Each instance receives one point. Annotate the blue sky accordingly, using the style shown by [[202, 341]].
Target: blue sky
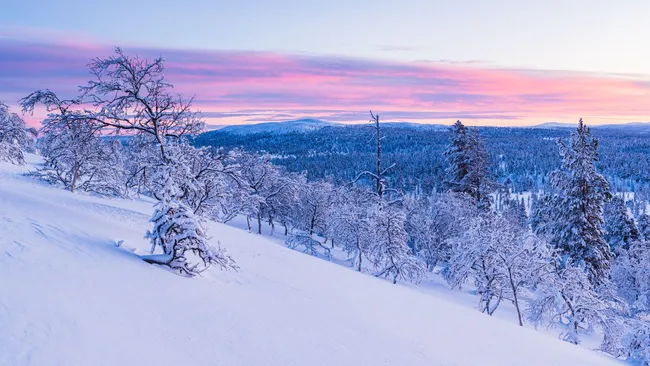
[[596, 35]]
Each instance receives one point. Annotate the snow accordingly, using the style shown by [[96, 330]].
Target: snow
[[70, 296]]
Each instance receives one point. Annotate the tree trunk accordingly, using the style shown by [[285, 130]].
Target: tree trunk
[[359, 255], [74, 178], [312, 223], [380, 190], [515, 299], [248, 222], [259, 223]]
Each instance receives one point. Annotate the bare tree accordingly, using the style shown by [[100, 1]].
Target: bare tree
[[379, 176], [128, 95]]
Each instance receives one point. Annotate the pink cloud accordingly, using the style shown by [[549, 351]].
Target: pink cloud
[[270, 85]]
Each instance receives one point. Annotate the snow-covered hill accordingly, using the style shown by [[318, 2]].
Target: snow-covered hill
[[307, 125], [301, 125], [69, 296], [627, 126]]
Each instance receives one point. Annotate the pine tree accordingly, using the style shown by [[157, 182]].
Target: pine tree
[[467, 170], [572, 219]]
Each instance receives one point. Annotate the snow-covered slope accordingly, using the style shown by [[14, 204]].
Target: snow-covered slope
[[69, 296]]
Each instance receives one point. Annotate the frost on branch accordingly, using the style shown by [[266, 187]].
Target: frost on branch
[[179, 234], [564, 294], [390, 254], [13, 136]]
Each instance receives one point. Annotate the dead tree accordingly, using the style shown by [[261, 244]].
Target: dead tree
[[379, 176]]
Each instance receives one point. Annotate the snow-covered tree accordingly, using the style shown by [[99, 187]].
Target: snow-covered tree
[[129, 95], [644, 226], [13, 136], [432, 223], [286, 199], [636, 343], [309, 217], [379, 175], [349, 224], [314, 199], [500, 258], [620, 229], [141, 159], [631, 274], [390, 253], [515, 211], [180, 235], [266, 183], [77, 158], [467, 166], [565, 294], [572, 219]]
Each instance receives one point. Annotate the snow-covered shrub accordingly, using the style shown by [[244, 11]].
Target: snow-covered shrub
[[13, 136], [181, 237], [309, 244], [636, 342], [565, 295], [500, 258]]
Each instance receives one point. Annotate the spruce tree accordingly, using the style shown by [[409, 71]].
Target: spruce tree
[[573, 217], [644, 226], [620, 229], [467, 170]]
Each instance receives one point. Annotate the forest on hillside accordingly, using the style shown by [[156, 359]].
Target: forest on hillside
[[520, 157]]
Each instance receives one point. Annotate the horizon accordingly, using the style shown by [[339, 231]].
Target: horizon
[[547, 124], [588, 64]]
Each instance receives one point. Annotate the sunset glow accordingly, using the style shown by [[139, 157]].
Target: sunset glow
[[234, 87]]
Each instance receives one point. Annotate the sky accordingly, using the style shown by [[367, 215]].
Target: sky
[[495, 62]]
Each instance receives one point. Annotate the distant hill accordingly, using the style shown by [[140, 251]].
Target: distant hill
[[555, 125], [419, 126], [636, 126], [309, 125], [300, 125]]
